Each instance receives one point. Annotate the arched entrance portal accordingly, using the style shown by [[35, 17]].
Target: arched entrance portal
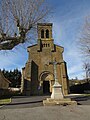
[[46, 81], [46, 87]]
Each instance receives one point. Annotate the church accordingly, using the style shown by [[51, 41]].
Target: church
[[38, 73]]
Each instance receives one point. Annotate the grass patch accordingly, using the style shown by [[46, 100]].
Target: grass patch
[[5, 101], [86, 94]]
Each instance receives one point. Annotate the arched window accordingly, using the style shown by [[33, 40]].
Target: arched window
[[43, 45], [42, 33], [48, 45], [47, 33]]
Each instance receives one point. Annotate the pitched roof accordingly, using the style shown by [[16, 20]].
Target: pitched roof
[[44, 24], [32, 45], [3, 77]]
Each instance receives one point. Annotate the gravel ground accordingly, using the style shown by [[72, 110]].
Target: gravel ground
[[78, 112]]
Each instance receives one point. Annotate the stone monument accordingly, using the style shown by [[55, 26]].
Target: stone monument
[[57, 97], [56, 89]]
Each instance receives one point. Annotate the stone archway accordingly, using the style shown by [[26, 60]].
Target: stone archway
[[46, 81], [46, 87]]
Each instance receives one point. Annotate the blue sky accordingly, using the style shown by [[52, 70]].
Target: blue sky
[[67, 18]]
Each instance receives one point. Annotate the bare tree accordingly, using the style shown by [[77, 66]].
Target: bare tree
[[87, 70], [84, 46], [84, 41], [17, 19]]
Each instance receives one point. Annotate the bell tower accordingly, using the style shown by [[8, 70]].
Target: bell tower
[[44, 31], [45, 40]]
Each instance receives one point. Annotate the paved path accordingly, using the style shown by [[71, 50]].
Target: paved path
[[25, 102], [47, 113], [81, 99], [36, 101], [31, 108]]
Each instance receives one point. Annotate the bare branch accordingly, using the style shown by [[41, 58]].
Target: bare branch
[[84, 41], [17, 18], [86, 67]]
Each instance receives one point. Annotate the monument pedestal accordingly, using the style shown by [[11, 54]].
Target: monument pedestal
[[57, 91], [64, 102], [57, 97]]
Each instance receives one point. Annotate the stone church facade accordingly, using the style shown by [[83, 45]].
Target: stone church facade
[[38, 73]]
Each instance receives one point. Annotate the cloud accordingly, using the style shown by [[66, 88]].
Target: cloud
[[75, 69], [13, 59], [66, 34], [74, 64], [67, 19]]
